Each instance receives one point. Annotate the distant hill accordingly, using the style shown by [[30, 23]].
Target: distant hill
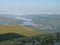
[[7, 21]]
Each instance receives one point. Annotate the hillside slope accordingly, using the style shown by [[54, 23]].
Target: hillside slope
[[17, 29]]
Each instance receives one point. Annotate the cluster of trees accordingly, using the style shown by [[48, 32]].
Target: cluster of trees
[[50, 39]]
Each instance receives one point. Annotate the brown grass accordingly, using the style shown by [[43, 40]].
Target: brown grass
[[18, 29]]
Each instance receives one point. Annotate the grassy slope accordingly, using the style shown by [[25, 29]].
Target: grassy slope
[[18, 29]]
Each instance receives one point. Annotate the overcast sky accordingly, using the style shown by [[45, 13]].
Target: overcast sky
[[29, 6]]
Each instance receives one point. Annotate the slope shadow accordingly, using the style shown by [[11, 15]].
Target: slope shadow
[[10, 36]]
